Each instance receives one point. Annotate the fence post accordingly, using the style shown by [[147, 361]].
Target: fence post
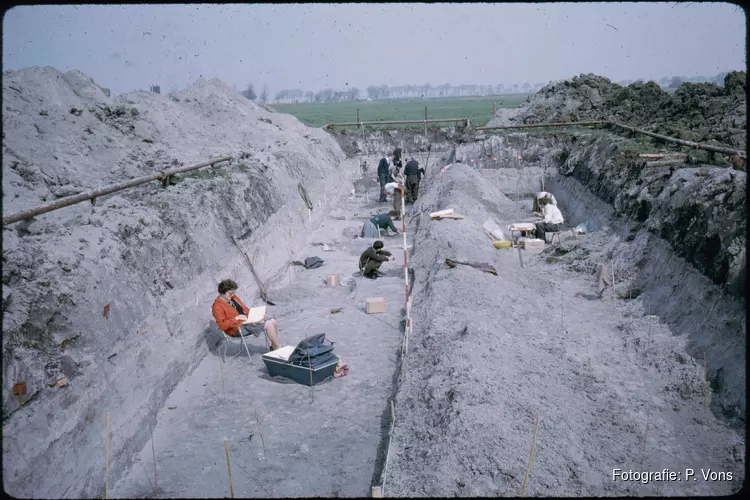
[[425, 121], [359, 123], [494, 108]]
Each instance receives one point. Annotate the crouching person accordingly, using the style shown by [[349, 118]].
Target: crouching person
[[379, 221], [230, 313], [372, 258]]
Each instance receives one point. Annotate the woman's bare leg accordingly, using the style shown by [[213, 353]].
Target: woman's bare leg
[[272, 330]]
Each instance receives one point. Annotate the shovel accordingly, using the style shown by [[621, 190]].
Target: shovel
[[263, 293]]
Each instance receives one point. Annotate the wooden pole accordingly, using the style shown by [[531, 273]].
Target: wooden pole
[[531, 457], [406, 251], [664, 163], [425, 122], [72, 200], [494, 108], [229, 468], [106, 477], [153, 455], [541, 125], [262, 441], [705, 383], [359, 122], [706, 147]]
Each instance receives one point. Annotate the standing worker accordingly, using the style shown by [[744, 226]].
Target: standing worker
[[397, 164], [413, 173], [397, 190], [383, 173], [372, 258]]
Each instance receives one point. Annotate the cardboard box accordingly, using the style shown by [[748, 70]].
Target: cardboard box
[[333, 279], [375, 305], [562, 235], [531, 243]]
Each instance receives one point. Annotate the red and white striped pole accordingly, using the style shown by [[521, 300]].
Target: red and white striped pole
[[406, 270]]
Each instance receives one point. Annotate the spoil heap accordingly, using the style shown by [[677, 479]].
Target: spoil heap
[[701, 112], [104, 295]]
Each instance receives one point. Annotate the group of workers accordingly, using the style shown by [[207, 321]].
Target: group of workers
[[394, 183], [231, 313]]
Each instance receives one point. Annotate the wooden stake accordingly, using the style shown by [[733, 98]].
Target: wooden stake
[[223, 390], [614, 295], [309, 363], [262, 441], [229, 468], [106, 477], [520, 257], [645, 435], [705, 383], [562, 309], [153, 454], [531, 457]]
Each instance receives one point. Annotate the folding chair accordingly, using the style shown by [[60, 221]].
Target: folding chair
[[228, 339]]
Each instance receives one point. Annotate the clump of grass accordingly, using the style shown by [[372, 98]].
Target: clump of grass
[[243, 167]]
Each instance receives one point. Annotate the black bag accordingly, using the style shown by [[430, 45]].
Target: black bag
[[312, 351], [313, 262]]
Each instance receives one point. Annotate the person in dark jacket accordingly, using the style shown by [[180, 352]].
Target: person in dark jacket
[[372, 258], [383, 168], [397, 163], [385, 221], [413, 173]]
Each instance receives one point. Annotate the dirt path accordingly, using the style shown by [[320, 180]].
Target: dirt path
[[319, 442]]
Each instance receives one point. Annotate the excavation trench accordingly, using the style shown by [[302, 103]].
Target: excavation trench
[[649, 376], [324, 441]]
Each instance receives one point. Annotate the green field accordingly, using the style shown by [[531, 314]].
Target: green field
[[478, 109]]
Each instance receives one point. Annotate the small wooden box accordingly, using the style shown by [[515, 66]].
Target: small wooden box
[[375, 305], [333, 279], [532, 243]]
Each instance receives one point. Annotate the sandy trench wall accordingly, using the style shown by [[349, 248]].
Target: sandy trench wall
[[700, 211], [688, 229], [153, 254]]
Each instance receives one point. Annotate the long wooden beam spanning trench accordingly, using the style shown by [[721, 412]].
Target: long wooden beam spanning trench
[[93, 194]]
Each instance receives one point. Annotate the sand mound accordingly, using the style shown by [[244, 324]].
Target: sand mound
[[702, 112], [150, 254]]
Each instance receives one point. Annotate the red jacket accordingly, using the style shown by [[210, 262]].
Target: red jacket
[[224, 314]]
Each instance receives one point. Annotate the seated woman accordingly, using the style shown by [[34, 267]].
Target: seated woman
[[230, 313]]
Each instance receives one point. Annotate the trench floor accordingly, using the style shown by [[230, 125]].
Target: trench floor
[[286, 439]]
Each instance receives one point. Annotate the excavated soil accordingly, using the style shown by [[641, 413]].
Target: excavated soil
[[115, 298], [701, 112], [611, 385]]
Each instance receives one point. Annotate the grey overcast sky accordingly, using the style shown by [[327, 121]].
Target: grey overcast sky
[[314, 46]]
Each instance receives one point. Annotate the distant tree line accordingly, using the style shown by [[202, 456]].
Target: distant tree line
[[386, 92]]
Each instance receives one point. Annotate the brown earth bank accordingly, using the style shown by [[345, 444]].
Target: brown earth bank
[[701, 112]]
